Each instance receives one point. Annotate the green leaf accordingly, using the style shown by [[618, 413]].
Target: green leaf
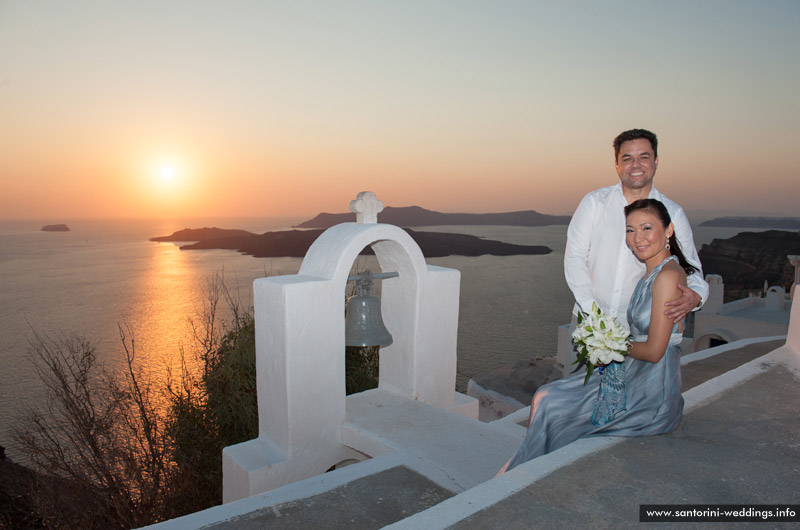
[[589, 370]]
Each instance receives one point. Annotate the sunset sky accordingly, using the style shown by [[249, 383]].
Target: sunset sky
[[257, 108]]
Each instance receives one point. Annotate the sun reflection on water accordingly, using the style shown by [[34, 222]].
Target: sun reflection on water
[[167, 298]]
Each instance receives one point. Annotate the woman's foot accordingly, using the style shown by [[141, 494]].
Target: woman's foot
[[503, 469]]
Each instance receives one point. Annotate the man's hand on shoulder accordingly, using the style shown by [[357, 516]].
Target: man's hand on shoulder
[[678, 308]]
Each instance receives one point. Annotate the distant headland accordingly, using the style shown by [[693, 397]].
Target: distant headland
[[295, 243], [416, 216], [203, 234], [748, 259], [781, 223], [55, 228]]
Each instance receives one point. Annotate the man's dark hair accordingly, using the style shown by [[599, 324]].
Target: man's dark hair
[[635, 134]]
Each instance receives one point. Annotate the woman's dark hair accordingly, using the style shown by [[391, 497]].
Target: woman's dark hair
[[657, 208]]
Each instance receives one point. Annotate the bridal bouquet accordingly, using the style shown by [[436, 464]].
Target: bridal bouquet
[[599, 340]]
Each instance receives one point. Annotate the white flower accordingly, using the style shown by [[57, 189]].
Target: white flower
[[599, 339], [580, 334]]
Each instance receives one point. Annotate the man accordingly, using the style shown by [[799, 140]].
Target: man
[[598, 265]]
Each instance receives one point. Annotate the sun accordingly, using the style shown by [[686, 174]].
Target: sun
[[168, 183], [167, 173]]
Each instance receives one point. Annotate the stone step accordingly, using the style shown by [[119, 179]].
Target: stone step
[[366, 503], [708, 366], [453, 450]]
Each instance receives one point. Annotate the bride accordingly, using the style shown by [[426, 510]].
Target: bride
[[651, 401]]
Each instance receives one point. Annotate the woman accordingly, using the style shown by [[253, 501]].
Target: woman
[[562, 411]]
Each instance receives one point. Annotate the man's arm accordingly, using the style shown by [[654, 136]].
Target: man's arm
[[576, 255], [695, 295]]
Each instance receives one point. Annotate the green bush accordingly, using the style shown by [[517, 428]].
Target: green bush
[[211, 412], [361, 368]]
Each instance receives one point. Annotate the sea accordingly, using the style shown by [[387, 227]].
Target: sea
[[104, 279]]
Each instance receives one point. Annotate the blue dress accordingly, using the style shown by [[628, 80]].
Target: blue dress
[[653, 402]]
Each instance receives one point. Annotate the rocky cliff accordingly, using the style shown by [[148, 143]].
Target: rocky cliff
[[748, 259]]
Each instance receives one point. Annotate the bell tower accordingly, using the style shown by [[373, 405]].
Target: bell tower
[[300, 343]]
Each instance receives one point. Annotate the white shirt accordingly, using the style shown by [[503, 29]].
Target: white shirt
[[598, 264]]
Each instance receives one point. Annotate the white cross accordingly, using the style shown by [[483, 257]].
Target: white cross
[[366, 206]]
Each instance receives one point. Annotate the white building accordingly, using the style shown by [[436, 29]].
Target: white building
[[718, 323]]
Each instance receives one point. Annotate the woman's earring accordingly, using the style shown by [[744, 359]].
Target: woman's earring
[[667, 246]]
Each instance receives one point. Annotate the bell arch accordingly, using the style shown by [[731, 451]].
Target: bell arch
[[300, 344], [330, 258]]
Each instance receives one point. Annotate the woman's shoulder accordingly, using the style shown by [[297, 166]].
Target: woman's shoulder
[[671, 274]]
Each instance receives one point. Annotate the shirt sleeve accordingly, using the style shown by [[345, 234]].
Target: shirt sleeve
[[683, 232], [576, 255]]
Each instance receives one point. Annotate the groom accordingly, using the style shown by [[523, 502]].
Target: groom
[[597, 263]]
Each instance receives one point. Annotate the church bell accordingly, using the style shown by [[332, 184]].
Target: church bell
[[364, 324]]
